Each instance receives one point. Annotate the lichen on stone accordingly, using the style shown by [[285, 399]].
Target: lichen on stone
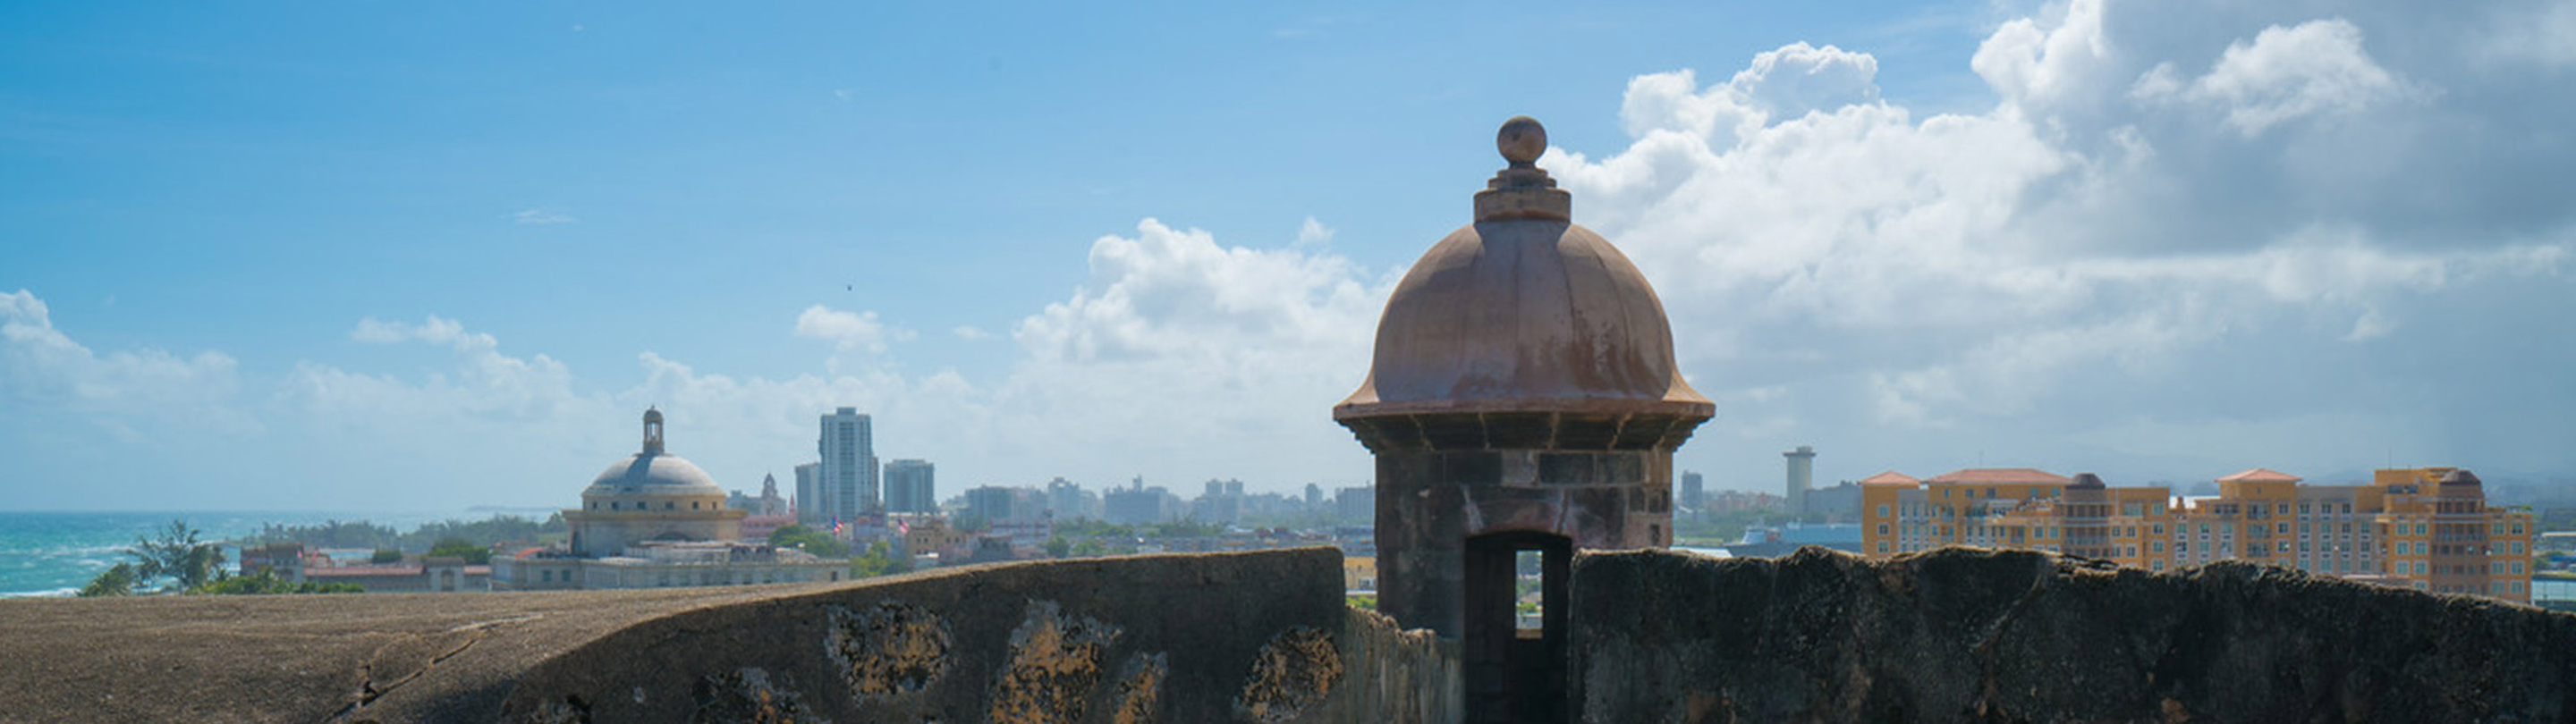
[[1140, 691], [569, 710], [1293, 673], [887, 649], [1055, 662], [748, 696]]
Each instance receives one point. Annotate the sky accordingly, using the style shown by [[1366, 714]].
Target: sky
[[333, 256]]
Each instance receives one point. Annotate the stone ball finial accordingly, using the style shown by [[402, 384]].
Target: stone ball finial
[[1522, 140]]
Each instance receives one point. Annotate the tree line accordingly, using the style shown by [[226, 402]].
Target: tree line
[[178, 560]]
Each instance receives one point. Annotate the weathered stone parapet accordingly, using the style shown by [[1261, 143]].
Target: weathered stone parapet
[[1254, 637], [1963, 635], [1240, 637]]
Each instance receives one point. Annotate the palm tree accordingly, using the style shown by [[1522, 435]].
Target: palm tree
[[177, 555]]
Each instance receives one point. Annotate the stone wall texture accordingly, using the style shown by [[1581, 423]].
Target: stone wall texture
[[1261, 638], [1964, 635], [1249, 637], [1956, 635]]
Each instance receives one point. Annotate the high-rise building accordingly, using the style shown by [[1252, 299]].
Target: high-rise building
[[849, 466], [1069, 502], [910, 487], [1693, 495], [1314, 497], [809, 495], [1802, 477], [995, 504], [2423, 528], [1221, 503], [1356, 505], [1140, 505]]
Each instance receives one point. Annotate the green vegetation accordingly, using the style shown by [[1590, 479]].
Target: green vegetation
[[453, 546], [362, 534], [264, 581], [191, 566], [880, 560], [1058, 547], [1093, 529], [117, 581], [1364, 602], [796, 535], [177, 555], [386, 555]]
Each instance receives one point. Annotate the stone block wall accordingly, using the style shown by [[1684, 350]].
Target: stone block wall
[[1965, 635], [1262, 638]]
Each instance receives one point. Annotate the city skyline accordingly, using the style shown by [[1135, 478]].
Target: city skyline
[[439, 257]]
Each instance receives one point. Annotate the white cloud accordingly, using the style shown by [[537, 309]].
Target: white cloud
[[2314, 68], [2112, 228], [47, 379], [2178, 226], [541, 217], [1314, 234], [848, 330]]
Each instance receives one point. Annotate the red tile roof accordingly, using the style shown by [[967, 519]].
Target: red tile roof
[[2000, 476], [2261, 475], [1890, 478]]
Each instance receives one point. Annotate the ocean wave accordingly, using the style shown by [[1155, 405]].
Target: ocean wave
[[56, 593]]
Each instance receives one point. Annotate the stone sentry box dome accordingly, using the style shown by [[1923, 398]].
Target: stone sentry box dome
[[1523, 399]]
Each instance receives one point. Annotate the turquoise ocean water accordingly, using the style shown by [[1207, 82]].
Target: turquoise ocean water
[[54, 553]]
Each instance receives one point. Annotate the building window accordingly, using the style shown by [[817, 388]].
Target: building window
[[1882, 546], [1882, 529]]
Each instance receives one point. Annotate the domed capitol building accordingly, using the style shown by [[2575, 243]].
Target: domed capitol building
[[657, 520]]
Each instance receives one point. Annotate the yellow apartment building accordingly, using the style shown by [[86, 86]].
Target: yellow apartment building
[[2423, 528]]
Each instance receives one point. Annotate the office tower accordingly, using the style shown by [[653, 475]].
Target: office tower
[[809, 495], [909, 487]]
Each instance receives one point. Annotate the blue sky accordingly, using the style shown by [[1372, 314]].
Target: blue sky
[[368, 257]]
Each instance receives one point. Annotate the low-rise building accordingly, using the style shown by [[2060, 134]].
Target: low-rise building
[[2423, 528]]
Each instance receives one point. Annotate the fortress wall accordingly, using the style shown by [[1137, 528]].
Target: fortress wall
[[1963, 635], [1253, 637]]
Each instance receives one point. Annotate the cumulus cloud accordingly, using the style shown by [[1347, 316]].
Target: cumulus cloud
[[2180, 237], [2315, 68], [2155, 189], [848, 330], [47, 379], [481, 383], [1181, 349]]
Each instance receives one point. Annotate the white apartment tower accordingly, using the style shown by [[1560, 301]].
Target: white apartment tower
[[847, 475]]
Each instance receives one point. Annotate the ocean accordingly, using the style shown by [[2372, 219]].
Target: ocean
[[55, 553]]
